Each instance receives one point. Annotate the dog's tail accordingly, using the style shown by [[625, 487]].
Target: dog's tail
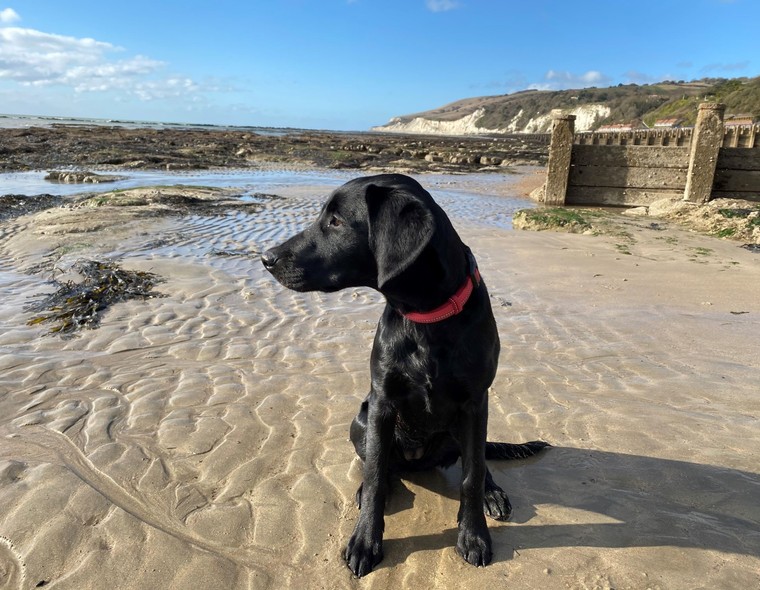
[[505, 451]]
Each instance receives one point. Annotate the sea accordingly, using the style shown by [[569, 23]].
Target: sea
[[23, 121]]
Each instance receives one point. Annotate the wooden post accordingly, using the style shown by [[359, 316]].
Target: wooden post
[[735, 138], [703, 156], [560, 150]]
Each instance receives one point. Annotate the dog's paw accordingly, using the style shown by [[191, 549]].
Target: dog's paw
[[363, 553], [474, 547], [496, 503], [359, 496]]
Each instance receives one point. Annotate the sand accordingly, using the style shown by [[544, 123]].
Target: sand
[[200, 440]]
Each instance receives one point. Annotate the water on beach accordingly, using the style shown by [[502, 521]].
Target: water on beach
[[482, 199]]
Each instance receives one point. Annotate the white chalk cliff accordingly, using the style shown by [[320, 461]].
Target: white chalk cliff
[[586, 116]]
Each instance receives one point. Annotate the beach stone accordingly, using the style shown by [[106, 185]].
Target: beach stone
[[79, 177], [663, 206]]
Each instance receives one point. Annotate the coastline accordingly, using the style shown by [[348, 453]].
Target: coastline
[[200, 438], [102, 147]]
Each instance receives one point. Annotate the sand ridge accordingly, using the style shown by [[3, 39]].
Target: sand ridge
[[201, 439]]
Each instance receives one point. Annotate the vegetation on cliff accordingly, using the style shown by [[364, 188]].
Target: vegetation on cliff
[[629, 103]]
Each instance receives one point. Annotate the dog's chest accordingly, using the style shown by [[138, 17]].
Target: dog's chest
[[416, 382], [407, 368]]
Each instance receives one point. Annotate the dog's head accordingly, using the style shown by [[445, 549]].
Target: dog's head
[[369, 233]]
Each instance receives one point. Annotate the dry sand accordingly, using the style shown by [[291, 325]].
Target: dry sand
[[200, 440]]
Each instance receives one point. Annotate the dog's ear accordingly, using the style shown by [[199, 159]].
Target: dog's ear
[[400, 227]]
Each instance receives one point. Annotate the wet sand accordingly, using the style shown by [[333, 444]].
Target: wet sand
[[200, 440]]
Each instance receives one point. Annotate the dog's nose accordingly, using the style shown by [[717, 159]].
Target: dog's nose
[[269, 258]]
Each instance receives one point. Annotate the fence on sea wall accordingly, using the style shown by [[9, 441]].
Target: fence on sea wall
[[733, 136], [638, 167]]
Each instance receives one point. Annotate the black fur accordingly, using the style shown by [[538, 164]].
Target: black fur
[[427, 405]]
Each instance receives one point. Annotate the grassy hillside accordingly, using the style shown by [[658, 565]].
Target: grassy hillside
[[628, 103], [740, 95]]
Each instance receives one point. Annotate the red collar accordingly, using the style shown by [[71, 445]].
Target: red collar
[[453, 306]]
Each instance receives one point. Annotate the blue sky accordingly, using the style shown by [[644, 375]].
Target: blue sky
[[348, 64]]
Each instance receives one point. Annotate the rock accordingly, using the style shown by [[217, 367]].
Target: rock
[[663, 206], [81, 177], [537, 194], [146, 148]]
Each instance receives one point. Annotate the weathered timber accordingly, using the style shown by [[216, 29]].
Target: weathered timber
[[634, 175], [741, 136], [738, 159], [680, 136], [618, 196], [705, 144], [737, 180], [631, 155], [620, 176], [560, 151]]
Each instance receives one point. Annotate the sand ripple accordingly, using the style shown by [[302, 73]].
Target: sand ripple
[[200, 439]]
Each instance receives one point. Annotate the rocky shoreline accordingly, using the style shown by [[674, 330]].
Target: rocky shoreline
[[72, 154], [99, 147]]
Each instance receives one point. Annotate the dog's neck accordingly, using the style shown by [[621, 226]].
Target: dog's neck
[[428, 294], [454, 305]]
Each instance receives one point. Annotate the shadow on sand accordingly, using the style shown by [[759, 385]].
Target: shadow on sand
[[628, 501]]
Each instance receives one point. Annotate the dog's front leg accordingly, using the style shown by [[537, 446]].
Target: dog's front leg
[[474, 541], [365, 548]]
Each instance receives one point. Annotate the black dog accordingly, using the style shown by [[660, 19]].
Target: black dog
[[435, 352]]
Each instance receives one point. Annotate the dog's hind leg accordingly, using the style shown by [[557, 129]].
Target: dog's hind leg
[[495, 500]]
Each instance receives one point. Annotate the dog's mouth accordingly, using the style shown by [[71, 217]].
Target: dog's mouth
[[281, 267], [288, 276]]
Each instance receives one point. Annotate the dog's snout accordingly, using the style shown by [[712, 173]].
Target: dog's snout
[[269, 258]]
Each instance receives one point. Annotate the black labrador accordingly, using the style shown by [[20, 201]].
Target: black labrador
[[434, 356]]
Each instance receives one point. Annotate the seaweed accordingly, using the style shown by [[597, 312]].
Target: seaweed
[[555, 217], [735, 213], [12, 206], [78, 305]]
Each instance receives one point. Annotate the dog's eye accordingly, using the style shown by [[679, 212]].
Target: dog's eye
[[335, 221]]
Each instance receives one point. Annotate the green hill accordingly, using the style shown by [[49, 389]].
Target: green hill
[[527, 111]]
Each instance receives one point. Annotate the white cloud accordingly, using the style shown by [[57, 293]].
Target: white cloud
[[590, 77], [168, 88], [8, 15], [34, 58], [726, 67], [561, 80], [442, 5], [636, 77]]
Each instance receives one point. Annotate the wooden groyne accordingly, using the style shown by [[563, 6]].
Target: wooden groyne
[[638, 167], [743, 136]]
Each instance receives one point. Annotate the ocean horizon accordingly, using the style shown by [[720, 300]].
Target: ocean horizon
[[13, 121]]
